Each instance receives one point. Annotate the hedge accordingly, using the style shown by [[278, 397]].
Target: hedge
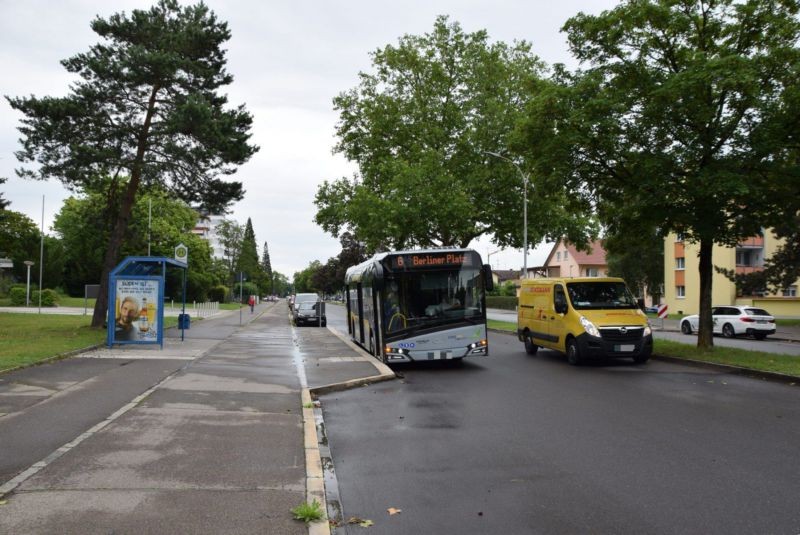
[[502, 302], [49, 298]]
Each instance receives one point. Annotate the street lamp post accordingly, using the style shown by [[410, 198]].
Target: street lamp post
[[524, 210], [28, 263]]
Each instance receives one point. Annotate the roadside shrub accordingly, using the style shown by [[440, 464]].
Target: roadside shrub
[[219, 294], [17, 295], [49, 298], [501, 302]]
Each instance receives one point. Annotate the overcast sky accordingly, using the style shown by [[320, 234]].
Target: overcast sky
[[289, 59]]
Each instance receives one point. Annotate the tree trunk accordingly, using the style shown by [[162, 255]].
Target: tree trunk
[[705, 335], [121, 226]]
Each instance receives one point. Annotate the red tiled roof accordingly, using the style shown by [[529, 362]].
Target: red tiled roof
[[595, 257]]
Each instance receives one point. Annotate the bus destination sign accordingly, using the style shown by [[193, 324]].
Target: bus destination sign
[[431, 260]]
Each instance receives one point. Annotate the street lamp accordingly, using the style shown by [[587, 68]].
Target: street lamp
[[28, 263], [524, 210]]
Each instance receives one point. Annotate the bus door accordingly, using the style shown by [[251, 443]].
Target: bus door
[[349, 315], [360, 299], [376, 323]]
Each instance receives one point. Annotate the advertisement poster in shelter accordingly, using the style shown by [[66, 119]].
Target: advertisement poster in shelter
[[136, 310]]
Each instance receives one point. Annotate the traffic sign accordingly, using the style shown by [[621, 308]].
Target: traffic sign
[[662, 311]]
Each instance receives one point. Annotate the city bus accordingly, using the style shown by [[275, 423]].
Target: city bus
[[406, 306]]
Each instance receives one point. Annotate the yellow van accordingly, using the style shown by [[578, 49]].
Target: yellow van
[[584, 318]]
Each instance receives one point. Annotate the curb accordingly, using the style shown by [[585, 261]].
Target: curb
[[790, 380], [385, 373], [54, 358], [315, 479]]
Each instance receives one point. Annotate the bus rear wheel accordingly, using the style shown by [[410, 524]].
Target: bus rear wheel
[[530, 347]]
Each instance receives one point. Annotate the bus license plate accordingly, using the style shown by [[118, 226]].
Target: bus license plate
[[626, 348]]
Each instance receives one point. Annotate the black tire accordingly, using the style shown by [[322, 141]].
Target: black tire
[[530, 347], [686, 327], [759, 336], [573, 353], [728, 331], [324, 323]]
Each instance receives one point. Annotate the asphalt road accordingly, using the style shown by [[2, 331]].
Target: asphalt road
[[517, 444]]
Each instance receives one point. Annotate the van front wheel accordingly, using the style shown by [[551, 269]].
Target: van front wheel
[[530, 347], [573, 354]]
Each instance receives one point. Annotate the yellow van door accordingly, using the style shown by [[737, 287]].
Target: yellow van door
[[557, 329]]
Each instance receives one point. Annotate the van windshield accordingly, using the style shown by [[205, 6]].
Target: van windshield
[[599, 295]]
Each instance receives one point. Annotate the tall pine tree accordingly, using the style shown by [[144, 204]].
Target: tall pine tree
[[248, 258], [148, 109], [266, 269]]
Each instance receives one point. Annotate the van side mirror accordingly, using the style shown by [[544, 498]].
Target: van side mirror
[[488, 280]]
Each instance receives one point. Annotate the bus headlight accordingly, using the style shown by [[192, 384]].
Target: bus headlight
[[478, 348], [589, 327]]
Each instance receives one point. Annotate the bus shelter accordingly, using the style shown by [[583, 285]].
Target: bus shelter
[[136, 300]]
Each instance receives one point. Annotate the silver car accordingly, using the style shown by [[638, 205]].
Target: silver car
[[732, 321]]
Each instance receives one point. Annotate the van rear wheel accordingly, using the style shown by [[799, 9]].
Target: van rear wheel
[[573, 354], [530, 347]]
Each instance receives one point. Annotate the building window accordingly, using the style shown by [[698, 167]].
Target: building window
[[680, 291], [558, 256], [791, 291], [679, 237], [565, 255], [680, 263], [592, 272]]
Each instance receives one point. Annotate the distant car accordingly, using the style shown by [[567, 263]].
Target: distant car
[[732, 321], [651, 310]]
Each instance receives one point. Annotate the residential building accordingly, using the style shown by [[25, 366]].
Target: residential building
[[682, 278], [565, 260], [206, 228], [501, 276]]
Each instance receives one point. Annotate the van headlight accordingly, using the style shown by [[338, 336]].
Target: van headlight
[[647, 330], [589, 327]]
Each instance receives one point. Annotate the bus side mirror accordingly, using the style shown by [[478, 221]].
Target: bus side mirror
[[488, 280]]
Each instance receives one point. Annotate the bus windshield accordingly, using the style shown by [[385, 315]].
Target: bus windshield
[[599, 295], [430, 298]]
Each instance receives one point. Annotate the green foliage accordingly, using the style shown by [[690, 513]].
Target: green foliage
[[679, 120], [304, 280], [148, 104], [637, 255], [218, 294], [3, 202], [308, 512], [49, 298], [245, 289], [266, 270], [17, 296], [19, 241], [501, 302], [248, 258], [419, 127]]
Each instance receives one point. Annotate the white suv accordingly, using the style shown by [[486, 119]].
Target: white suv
[[732, 321]]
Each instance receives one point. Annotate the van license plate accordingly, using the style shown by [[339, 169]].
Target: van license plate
[[625, 348]]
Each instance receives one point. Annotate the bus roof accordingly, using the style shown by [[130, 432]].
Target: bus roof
[[356, 272]]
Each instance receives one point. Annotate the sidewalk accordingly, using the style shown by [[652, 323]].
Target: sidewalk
[[225, 444]]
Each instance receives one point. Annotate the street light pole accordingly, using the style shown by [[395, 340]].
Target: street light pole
[[28, 263], [524, 210]]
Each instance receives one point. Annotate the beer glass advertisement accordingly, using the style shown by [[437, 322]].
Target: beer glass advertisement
[[136, 311]]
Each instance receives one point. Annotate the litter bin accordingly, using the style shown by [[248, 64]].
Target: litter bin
[[184, 320]]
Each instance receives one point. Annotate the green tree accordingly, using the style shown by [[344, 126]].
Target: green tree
[[248, 258], [678, 121], [19, 241], [231, 236], [84, 224], [419, 128], [266, 269], [147, 105], [3, 202], [304, 280], [637, 257], [280, 284]]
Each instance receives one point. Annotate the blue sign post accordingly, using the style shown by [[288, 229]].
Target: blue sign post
[[136, 300]]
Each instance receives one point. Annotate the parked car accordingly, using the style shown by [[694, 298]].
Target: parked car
[[308, 313], [731, 321], [651, 309]]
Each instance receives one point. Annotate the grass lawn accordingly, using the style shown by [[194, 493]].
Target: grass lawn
[[754, 360], [30, 338]]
